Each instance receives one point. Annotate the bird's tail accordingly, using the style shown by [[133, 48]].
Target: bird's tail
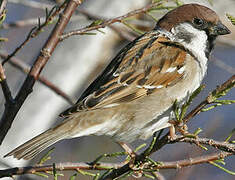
[[36, 145]]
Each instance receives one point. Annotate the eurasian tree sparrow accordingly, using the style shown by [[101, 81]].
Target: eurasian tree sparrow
[[133, 97]]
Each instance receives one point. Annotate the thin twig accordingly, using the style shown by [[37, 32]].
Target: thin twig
[[5, 87], [46, 52], [37, 29], [198, 109], [223, 146], [32, 4], [192, 161], [108, 22], [120, 31]]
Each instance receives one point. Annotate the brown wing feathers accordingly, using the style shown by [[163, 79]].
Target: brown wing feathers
[[147, 67]]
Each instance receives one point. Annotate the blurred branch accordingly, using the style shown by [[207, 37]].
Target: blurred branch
[[37, 29], [222, 65], [4, 85], [109, 22], [25, 68], [12, 108], [32, 4]]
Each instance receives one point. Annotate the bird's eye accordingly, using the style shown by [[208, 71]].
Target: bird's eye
[[198, 22]]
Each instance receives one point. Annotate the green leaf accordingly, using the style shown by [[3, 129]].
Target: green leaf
[[140, 147], [132, 27], [176, 110], [96, 22], [149, 149], [210, 107], [187, 104], [3, 16], [73, 176], [178, 3], [231, 18], [116, 154], [96, 176], [230, 135], [221, 161], [226, 102], [148, 176], [86, 173], [222, 168], [152, 16], [197, 131], [46, 157], [41, 174]]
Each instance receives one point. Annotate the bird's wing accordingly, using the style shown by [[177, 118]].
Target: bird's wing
[[144, 66]]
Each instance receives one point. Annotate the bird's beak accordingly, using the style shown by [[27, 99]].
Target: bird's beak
[[219, 29]]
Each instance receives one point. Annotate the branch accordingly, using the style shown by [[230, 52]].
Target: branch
[[192, 161], [223, 146], [60, 167], [37, 29], [12, 109], [25, 68], [228, 147], [229, 83], [108, 22], [68, 166], [4, 85]]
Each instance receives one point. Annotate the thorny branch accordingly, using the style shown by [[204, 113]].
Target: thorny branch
[[121, 168]]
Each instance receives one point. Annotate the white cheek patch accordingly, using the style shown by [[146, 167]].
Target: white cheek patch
[[197, 45]]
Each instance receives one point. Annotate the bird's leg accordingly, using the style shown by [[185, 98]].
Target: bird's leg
[[180, 127], [172, 129], [132, 155], [183, 129], [127, 149]]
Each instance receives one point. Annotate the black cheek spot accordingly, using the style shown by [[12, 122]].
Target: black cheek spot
[[186, 36]]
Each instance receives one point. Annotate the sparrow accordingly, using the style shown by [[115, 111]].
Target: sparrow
[[134, 96]]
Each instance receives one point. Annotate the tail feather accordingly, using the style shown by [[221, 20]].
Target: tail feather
[[36, 145]]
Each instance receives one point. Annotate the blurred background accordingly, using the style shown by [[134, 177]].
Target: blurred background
[[79, 59]]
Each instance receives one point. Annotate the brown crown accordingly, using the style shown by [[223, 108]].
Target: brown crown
[[186, 13]]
